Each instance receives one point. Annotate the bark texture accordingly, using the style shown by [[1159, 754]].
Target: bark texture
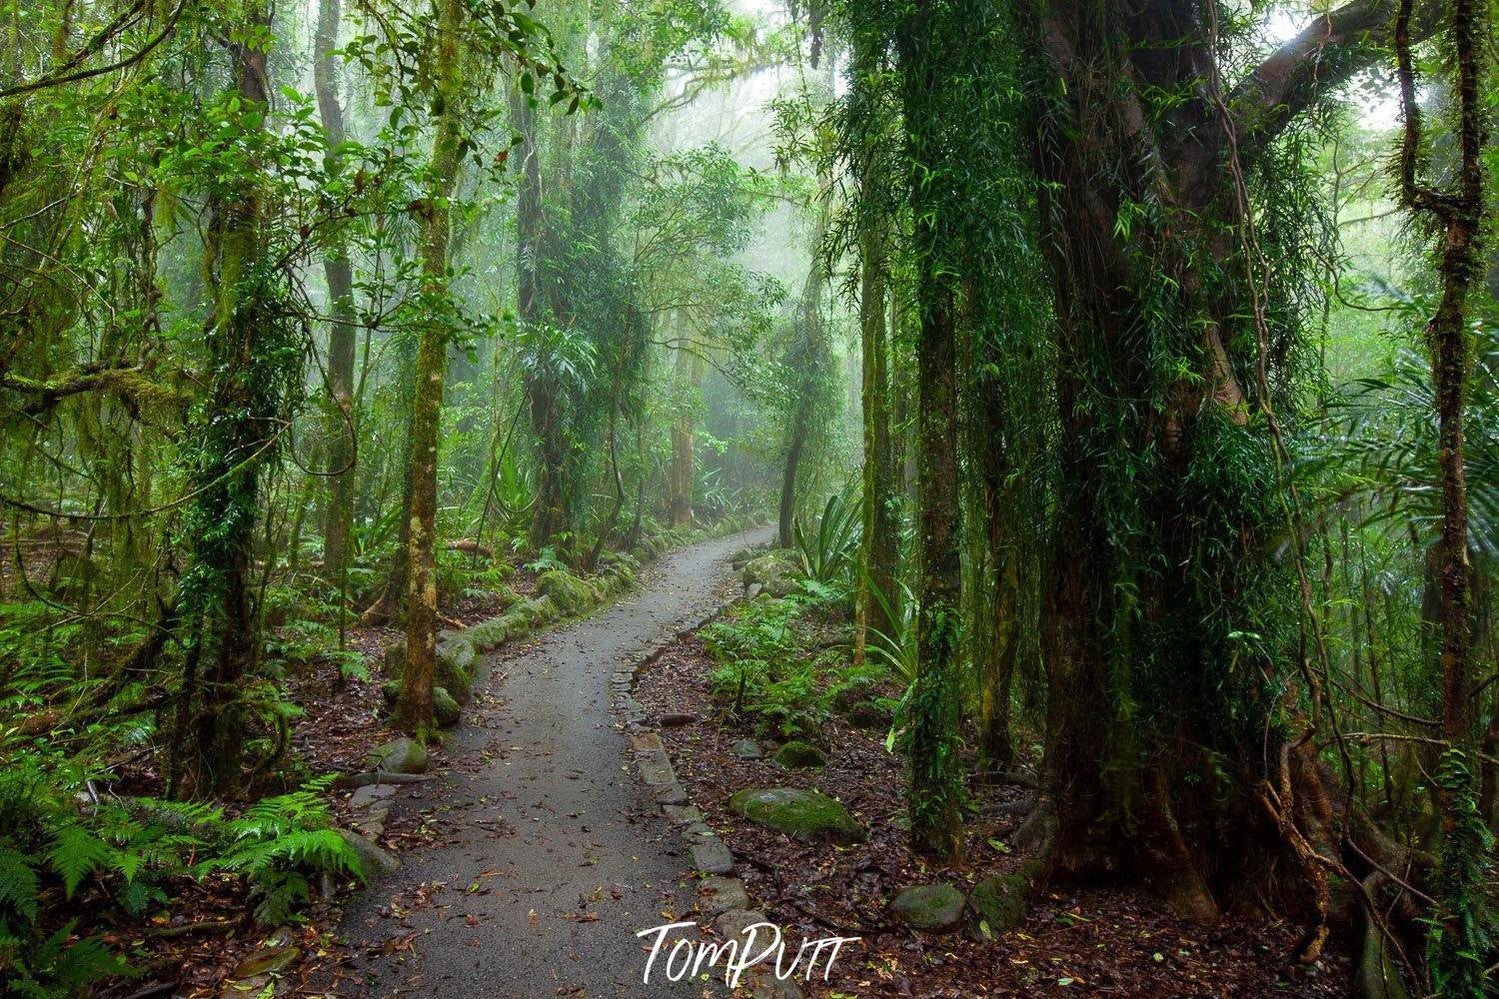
[[414, 709]]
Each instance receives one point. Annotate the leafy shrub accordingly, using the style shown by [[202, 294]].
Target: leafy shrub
[[827, 556], [61, 840], [764, 673]]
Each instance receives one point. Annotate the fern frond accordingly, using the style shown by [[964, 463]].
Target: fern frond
[[18, 884], [76, 852]]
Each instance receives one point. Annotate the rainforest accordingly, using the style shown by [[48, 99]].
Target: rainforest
[[1009, 486]]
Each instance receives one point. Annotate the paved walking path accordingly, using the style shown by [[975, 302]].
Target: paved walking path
[[561, 856]]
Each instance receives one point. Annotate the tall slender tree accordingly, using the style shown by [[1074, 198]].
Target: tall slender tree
[[1457, 216], [930, 56], [414, 711], [342, 432]]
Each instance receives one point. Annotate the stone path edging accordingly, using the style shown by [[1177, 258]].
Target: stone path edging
[[728, 907]]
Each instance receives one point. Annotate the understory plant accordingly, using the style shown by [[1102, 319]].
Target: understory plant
[[69, 844]]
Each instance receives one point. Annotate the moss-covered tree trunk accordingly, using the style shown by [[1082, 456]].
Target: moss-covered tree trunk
[[880, 544], [870, 123], [1458, 939], [934, 749], [1001, 649], [1160, 704], [236, 433], [414, 710], [809, 364], [543, 396]]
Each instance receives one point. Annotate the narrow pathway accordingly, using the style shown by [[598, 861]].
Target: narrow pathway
[[561, 857]]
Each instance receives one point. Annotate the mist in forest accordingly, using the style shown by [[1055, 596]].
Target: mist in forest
[[1009, 486]]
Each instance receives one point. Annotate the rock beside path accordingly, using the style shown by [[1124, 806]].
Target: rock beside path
[[719, 895], [934, 908], [445, 710], [796, 755], [997, 905], [400, 756], [802, 815], [374, 859], [712, 857]]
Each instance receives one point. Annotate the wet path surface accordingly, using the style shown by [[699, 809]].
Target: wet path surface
[[559, 855]]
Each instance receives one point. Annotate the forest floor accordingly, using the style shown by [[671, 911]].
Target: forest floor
[[534, 856], [1099, 939]]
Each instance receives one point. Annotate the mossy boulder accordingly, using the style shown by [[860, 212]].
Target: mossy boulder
[[800, 814], [445, 707], [569, 594], [487, 635], [395, 660], [997, 905], [934, 908], [799, 755], [456, 659], [774, 573], [869, 715], [445, 710], [535, 612], [400, 756]]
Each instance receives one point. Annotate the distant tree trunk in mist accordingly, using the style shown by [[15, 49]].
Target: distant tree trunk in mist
[[806, 402], [542, 395], [339, 512], [689, 378]]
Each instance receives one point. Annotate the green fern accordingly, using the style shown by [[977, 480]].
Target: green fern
[[76, 853], [280, 896], [18, 885], [54, 966]]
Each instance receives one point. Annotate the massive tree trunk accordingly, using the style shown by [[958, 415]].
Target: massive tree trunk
[[339, 511], [414, 710], [1159, 709]]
